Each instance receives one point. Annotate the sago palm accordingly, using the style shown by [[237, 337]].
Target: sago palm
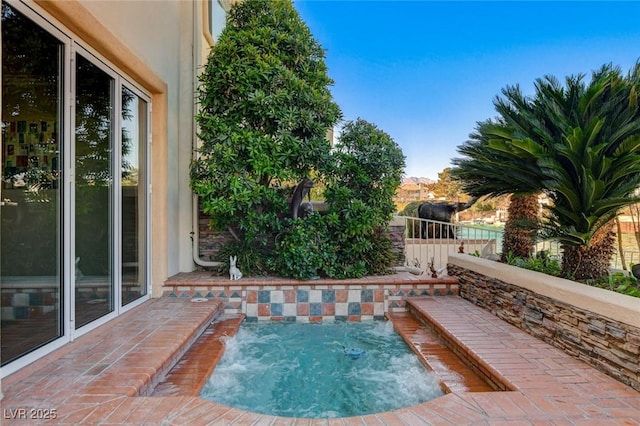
[[485, 171], [580, 144]]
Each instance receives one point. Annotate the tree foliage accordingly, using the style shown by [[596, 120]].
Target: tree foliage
[[363, 178], [368, 165], [579, 142], [265, 109], [350, 240], [447, 186]]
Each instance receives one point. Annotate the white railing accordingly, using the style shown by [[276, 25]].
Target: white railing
[[631, 257], [431, 241], [428, 243]]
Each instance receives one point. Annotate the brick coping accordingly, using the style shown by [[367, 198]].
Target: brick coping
[[190, 374], [207, 278], [126, 356], [552, 387]]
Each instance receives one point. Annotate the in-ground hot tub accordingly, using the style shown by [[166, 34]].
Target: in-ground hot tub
[[325, 370]]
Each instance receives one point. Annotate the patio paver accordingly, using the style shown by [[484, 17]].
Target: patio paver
[[93, 380]]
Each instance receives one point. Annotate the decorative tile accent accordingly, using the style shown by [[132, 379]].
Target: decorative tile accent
[[315, 309], [252, 296], [322, 300], [302, 309], [328, 309], [354, 308], [366, 308], [342, 309], [289, 296], [264, 310], [315, 296], [378, 309], [252, 310], [328, 296], [264, 296], [277, 309], [289, 310], [277, 296], [354, 296], [302, 296]]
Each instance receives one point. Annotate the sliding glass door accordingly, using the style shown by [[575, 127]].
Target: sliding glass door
[[133, 184], [74, 219], [31, 195], [94, 226]]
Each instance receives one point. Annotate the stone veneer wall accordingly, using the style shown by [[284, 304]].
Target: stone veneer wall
[[209, 240], [396, 234], [597, 326], [310, 301]]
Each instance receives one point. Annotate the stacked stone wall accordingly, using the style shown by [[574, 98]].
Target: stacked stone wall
[[210, 241], [396, 233], [609, 345]]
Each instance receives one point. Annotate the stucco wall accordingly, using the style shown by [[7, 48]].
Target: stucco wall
[[597, 326], [160, 46], [165, 35]]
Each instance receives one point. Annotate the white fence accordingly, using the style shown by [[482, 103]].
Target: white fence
[[631, 257], [428, 243]]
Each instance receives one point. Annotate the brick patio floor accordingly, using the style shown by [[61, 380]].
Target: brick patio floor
[[103, 377]]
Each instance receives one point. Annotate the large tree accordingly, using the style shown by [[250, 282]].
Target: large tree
[[579, 142], [265, 109]]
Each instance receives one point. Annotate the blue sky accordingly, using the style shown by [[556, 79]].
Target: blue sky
[[426, 72]]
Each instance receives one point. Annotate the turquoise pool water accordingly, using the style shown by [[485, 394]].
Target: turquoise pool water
[[323, 370]]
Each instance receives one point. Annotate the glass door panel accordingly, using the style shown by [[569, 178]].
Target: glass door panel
[[30, 193], [94, 296], [133, 198]]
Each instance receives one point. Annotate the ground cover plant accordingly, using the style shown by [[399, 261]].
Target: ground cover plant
[[619, 282]]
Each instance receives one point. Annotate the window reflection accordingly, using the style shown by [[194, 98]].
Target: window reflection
[[105, 267], [93, 192], [30, 210], [134, 112]]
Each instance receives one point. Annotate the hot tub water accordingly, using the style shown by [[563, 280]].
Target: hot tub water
[[333, 369]]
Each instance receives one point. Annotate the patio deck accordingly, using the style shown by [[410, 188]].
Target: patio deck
[[102, 377]]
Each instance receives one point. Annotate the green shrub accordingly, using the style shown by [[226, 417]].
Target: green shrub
[[304, 250], [618, 282], [411, 209], [252, 258], [362, 180]]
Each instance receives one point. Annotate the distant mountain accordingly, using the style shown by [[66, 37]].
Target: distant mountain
[[416, 180]]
